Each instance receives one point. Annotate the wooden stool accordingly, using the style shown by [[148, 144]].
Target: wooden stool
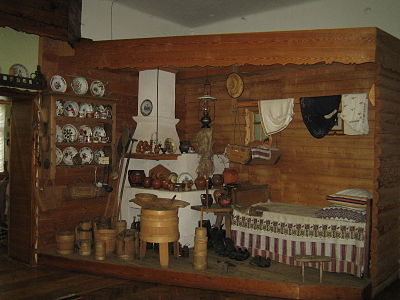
[[163, 252], [311, 258]]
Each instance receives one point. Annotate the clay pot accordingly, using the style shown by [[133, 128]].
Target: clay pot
[[217, 180], [165, 184], [135, 177], [184, 146], [140, 147], [156, 184], [200, 182], [230, 176], [225, 200], [147, 181], [171, 186]]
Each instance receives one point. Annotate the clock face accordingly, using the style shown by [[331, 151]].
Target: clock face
[[146, 107]]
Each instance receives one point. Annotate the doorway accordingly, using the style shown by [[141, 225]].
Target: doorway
[[18, 216]]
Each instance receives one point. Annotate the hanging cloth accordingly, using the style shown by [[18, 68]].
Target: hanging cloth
[[355, 114], [320, 114], [276, 114]]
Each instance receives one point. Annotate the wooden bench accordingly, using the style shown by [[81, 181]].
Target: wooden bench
[[311, 258]]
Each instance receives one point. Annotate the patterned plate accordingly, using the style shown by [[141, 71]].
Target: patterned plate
[[68, 154], [70, 133], [99, 131], [84, 109], [97, 88], [18, 70], [86, 154], [58, 84], [79, 85], [184, 176], [97, 155], [71, 109], [85, 130], [59, 156]]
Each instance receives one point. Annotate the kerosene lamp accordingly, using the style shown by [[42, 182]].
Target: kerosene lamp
[[206, 119]]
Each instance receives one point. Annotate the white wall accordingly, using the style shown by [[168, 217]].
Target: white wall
[[318, 14], [126, 22]]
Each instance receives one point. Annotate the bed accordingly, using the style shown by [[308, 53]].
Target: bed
[[281, 231]]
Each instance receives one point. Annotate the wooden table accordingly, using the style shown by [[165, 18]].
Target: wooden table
[[313, 258], [220, 212]]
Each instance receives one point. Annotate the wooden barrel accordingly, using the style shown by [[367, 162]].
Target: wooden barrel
[[159, 226], [65, 242], [108, 236], [200, 249]]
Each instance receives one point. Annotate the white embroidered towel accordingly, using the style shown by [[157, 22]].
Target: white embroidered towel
[[276, 114], [355, 114]]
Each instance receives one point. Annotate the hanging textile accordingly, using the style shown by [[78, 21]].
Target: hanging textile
[[320, 114], [355, 114], [276, 114]]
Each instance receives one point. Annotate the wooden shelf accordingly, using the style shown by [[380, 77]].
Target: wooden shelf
[[153, 156], [63, 119]]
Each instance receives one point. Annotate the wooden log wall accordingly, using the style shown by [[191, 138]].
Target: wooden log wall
[[385, 244], [309, 168], [58, 58], [55, 19]]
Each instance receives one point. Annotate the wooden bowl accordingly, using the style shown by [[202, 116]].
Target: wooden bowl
[[146, 197]]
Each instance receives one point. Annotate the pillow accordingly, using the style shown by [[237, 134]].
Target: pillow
[[351, 198], [341, 213]]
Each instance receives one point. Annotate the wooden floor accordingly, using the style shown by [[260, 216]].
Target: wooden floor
[[20, 281]]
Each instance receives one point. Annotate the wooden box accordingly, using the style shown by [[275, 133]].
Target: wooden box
[[247, 194]]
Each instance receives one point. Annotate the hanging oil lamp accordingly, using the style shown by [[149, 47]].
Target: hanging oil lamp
[[206, 119]]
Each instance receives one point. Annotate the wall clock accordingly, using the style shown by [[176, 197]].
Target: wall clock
[[146, 107]]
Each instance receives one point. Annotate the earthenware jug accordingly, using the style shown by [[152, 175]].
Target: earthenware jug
[[200, 182]]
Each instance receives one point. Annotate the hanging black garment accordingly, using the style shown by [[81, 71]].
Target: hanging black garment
[[320, 113]]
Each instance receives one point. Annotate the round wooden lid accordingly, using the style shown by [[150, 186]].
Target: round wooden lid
[[234, 85]]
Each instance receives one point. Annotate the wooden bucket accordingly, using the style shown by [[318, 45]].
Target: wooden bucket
[[100, 250], [85, 225], [126, 244], [85, 247], [159, 226], [108, 236], [120, 226], [200, 249], [65, 242]]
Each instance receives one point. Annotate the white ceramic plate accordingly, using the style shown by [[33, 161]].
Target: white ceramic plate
[[79, 85], [99, 131], [58, 84], [85, 130], [59, 108], [68, 154], [71, 109], [59, 134], [70, 133], [86, 154], [184, 176], [85, 108], [97, 88], [97, 154], [18, 70], [59, 156]]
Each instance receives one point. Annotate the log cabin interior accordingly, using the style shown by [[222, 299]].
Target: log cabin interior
[[272, 65]]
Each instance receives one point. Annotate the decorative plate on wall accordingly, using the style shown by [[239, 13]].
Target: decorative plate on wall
[[58, 84], [97, 154], [234, 85], [71, 109], [97, 88], [86, 154], [59, 156], [79, 85], [146, 107], [18, 70], [70, 133]]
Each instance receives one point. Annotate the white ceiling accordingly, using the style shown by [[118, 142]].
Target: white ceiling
[[193, 13]]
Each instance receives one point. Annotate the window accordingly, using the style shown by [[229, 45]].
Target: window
[[254, 130]]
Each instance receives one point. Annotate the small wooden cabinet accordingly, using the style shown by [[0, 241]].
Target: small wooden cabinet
[[101, 141]]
